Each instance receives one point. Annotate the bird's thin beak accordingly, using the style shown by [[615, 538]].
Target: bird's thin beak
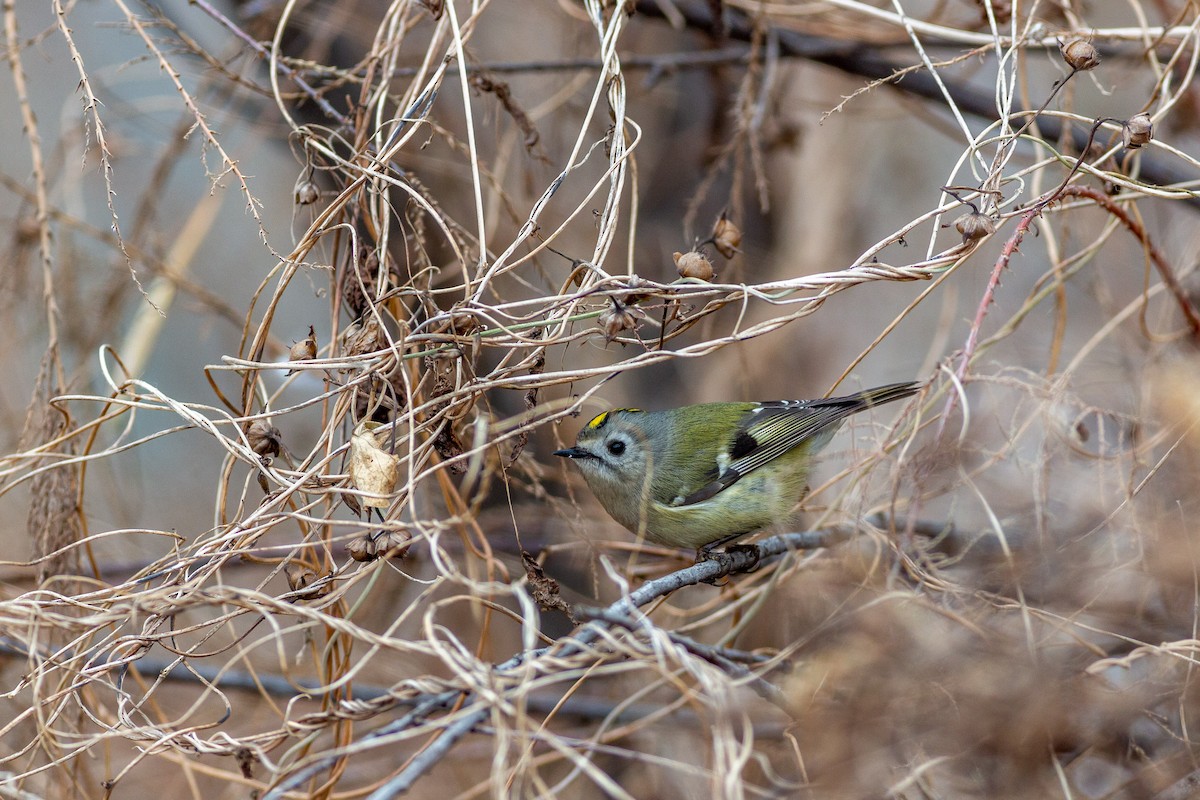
[[573, 452]]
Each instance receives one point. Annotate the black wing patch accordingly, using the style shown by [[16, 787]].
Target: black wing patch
[[743, 445]]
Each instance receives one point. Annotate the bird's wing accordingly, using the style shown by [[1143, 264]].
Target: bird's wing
[[766, 433], [774, 428]]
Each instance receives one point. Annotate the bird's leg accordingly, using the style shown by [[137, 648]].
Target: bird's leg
[[705, 552], [751, 549]]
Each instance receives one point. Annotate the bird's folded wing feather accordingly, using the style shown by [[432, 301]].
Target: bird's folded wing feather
[[769, 431]]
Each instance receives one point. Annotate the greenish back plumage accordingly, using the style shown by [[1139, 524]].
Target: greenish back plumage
[[696, 475]]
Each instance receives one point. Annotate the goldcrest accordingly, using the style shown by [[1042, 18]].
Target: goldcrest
[[702, 475]]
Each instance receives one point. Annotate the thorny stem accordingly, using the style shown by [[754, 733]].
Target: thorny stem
[[1064, 189]]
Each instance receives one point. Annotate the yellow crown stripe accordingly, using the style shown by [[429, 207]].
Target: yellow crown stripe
[[602, 417]]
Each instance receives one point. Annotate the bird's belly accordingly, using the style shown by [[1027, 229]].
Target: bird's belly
[[762, 499]]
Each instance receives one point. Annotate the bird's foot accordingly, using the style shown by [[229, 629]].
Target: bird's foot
[[734, 558]]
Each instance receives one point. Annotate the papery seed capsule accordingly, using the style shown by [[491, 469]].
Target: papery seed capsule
[[974, 225], [726, 237], [1137, 131], [264, 438], [1080, 54], [620, 318], [694, 264]]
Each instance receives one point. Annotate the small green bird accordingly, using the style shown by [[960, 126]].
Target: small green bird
[[702, 475]]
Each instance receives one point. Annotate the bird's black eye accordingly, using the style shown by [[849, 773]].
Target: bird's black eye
[[616, 447]]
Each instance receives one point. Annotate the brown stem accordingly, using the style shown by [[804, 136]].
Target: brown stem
[[1165, 272]]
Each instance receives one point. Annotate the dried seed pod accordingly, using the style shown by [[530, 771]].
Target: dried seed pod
[[463, 322], [362, 548], [726, 237], [458, 321], [1137, 131], [307, 193], [1080, 54], [974, 225], [361, 282], [546, 591], [393, 544], [305, 581], [694, 264], [449, 446], [365, 337], [304, 349], [246, 760], [264, 438], [637, 283], [372, 469], [444, 367], [620, 318]]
